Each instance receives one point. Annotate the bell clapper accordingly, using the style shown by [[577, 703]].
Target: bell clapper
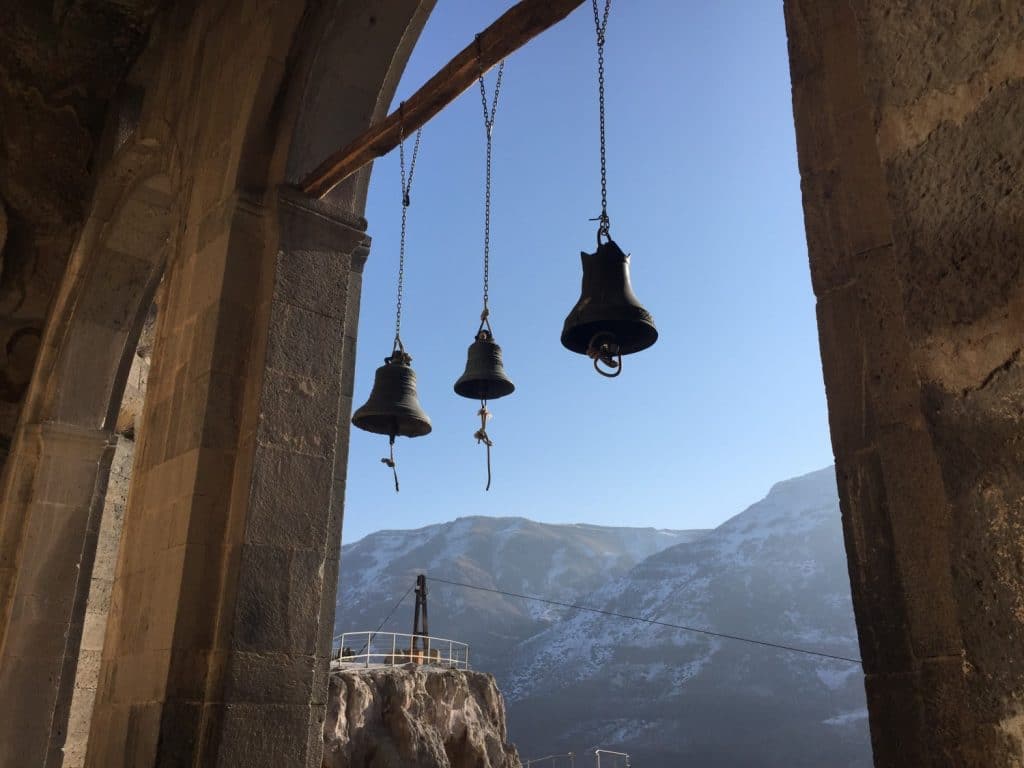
[[603, 349], [390, 460]]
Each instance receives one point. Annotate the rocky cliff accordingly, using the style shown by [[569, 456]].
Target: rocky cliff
[[411, 717]]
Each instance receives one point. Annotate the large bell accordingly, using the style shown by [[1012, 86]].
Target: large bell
[[393, 408], [608, 314], [484, 377]]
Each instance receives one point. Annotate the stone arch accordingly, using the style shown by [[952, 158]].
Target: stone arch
[[55, 479], [90, 338], [221, 613]]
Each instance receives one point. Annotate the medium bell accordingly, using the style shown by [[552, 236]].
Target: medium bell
[[393, 408], [484, 377], [607, 321]]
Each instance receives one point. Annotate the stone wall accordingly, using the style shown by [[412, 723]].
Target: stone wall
[[223, 593], [908, 127], [115, 501], [908, 122]]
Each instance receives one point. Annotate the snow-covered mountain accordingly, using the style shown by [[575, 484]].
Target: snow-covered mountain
[[561, 562], [776, 572]]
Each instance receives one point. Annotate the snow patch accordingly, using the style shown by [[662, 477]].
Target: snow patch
[[848, 718]]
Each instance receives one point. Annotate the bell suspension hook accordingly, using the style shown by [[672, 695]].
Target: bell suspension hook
[[485, 323]]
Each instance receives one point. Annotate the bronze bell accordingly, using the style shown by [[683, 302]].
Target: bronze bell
[[484, 377], [393, 408], [608, 318]]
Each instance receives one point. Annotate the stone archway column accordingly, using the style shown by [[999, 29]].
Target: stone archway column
[[219, 636], [56, 491], [909, 159]]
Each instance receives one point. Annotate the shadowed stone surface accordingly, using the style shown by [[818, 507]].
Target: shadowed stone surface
[[62, 65], [908, 130]]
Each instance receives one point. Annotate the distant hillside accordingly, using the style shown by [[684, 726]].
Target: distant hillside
[[558, 561], [574, 679], [776, 572]]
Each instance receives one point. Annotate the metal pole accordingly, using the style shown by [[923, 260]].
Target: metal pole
[[394, 639]]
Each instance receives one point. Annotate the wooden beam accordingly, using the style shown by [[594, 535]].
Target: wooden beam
[[512, 31]]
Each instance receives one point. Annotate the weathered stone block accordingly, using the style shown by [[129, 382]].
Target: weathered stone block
[[280, 613], [874, 568], [299, 414], [37, 630], [314, 280], [33, 679], [899, 735], [279, 479], [94, 630], [305, 343], [919, 518], [264, 734], [269, 677]]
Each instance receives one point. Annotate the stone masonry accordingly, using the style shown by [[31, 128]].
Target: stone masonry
[[908, 122], [149, 152]]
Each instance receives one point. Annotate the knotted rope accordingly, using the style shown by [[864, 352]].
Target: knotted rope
[[390, 460], [482, 437]]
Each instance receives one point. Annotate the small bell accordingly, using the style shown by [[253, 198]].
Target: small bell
[[484, 377], [608, 320], [393, 408]]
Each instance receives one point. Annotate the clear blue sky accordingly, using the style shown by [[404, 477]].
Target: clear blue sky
[[703, 192]]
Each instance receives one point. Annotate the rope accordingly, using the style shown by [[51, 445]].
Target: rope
[[615, 614], [390, 460], [481, 437]]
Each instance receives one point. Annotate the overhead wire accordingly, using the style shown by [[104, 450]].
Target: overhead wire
[[683, 627], [386, 618]]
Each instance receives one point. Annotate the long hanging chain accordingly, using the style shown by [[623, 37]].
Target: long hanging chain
[[600, 25], [489, 115], [406, 188], [489, 128], [398, 349]]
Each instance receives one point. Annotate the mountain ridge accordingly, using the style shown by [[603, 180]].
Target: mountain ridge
[[776, 571]]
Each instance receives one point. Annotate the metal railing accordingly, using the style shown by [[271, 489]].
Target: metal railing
[[394, 649], [616, 755], [553, 761]]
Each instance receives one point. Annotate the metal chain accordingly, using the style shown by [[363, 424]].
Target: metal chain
[[489, 128], [600, 25], [406, 188]]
